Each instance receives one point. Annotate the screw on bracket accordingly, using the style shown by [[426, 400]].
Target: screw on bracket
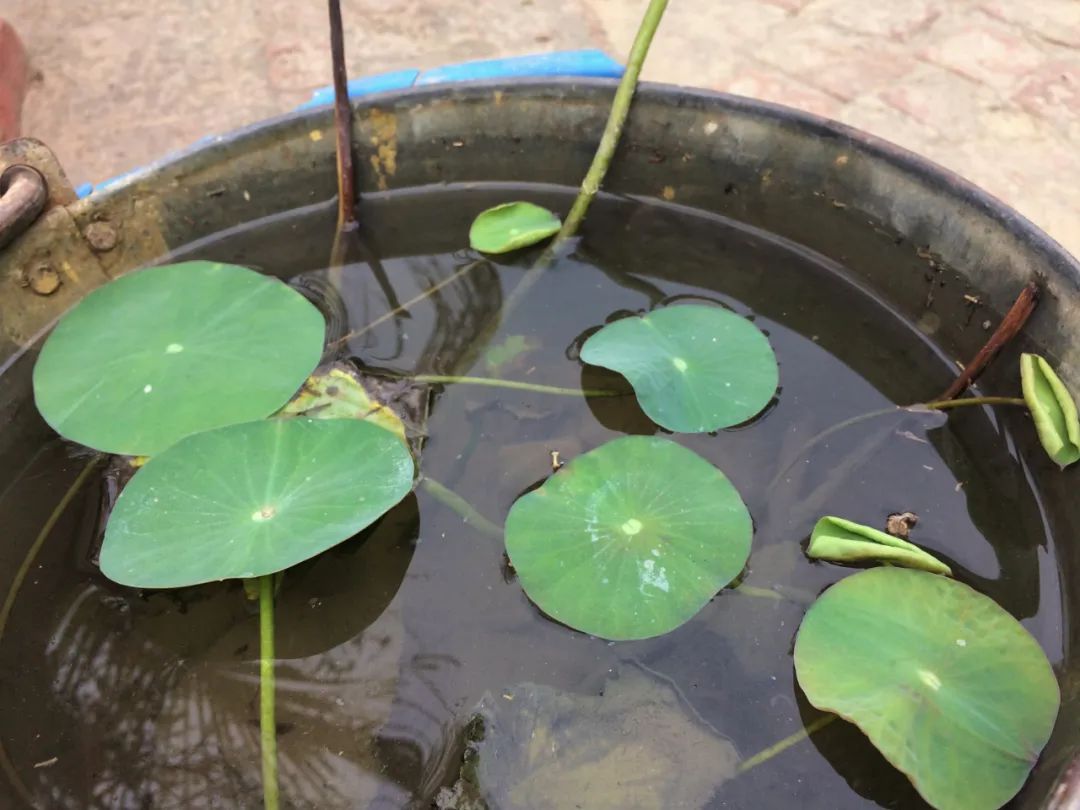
[[41, 278], [101, 236]]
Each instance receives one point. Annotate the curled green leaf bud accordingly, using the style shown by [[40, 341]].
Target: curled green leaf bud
[[837, 540], [1052, 408]]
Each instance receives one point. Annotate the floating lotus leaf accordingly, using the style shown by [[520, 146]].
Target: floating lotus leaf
[[169, 351], [694, 368], [950, 688], [337, 392], [1052, 408], [252, 499], [511, 226], [838, 540], [630, 540]]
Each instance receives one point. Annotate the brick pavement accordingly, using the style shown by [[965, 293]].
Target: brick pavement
[[989, 88]]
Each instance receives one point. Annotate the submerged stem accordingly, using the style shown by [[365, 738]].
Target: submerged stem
[[405, 307], [786, 743], [450, 499], [609, 140], [494, 382], [267, 723]]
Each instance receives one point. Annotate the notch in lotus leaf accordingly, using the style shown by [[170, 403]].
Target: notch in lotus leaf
[[169, 351], [629, 540], [1053, 409], [844, 541], [252, 499], [949, 687], [511, 226], [694, 368]]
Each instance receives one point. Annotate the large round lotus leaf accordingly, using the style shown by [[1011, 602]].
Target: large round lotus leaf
[[251, 499], [694, 368], [630, 540], [169, 351], [945, 683]]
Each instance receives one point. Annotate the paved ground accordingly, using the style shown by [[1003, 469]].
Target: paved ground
[[989, 88]]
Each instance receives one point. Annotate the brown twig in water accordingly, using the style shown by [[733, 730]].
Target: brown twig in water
[[1010, 325], [346, 220]]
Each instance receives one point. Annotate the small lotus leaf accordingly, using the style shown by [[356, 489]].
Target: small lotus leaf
[[1052, 408], [169, 351], [252, 499], [629, 540], [511, 226], [951, 689], [337, 392], [694, 368], [838, 540]]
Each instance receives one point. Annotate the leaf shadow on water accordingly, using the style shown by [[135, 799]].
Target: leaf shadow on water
[[166, 684]]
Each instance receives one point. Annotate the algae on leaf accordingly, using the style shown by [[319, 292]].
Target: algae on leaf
[[637, 746], [838, 540], [629, 540], [1052, 408], [949, 687], [694, 368]]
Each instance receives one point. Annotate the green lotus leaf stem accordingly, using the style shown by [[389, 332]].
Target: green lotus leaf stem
[[775, 749], [267, 723], [1053, 409], [493, 382], [948, 404], [605, 151], [838, 540]]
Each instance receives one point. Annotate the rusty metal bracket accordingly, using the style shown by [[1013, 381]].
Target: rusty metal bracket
[[49, 265]]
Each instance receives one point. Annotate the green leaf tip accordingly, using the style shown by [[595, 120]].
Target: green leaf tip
[[838, 540], [511, 226], [1052, 408]]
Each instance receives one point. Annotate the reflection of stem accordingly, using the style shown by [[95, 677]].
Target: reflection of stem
[[940, 405], [620, 108], [267, 724], [786, 743], [946, 404], [447, 497], [16, 585], [405, 307], [494, 382]]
